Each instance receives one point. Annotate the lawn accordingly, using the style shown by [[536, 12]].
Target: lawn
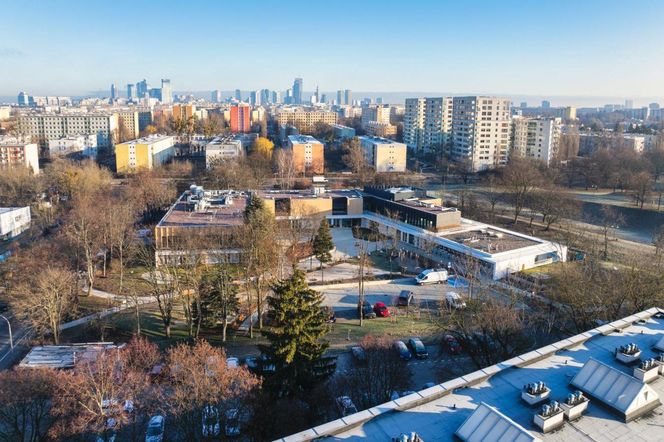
[[132, 281]]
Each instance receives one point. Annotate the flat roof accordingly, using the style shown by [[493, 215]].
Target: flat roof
[[436, 413], [183, 213], [64, 356], [302, 139], [150, 139], [302, 194], [379, 140]]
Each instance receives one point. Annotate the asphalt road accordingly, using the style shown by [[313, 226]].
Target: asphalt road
[[346, 298]]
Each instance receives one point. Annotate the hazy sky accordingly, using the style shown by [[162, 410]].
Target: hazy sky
[[538, 47]]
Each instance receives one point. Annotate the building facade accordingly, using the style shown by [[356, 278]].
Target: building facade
[[222, 149], [240, 118], [16, 154], [536, 138], [307, 154], [427, 122], [144, 153], [305, 119], [46, 126], [85, 145], [384, 155], [481, 131]]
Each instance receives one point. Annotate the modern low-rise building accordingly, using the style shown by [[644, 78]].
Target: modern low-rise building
[[19, 154], [84, 145], [307, 154], [144, 153], [384, 155], [486, 405]]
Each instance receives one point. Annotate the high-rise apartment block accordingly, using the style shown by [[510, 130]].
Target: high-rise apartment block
[[427, 123], [376, 112], [18, 154], [481, 131], [348, 97], [536, 137], [307, 154], [240, 118]]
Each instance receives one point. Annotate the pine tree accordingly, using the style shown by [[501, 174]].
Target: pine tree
[[295, 338], [219, 299], [323, 245]]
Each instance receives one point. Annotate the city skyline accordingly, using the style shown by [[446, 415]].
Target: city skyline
[[564, 49]]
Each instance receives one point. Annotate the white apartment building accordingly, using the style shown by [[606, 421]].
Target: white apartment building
[[19, 154], [384, 155], [536, 137], [635, 142], [45, 127], [380, 113], [223, 148], [427, 122], [85, 145], [13, 222], [481, 131]]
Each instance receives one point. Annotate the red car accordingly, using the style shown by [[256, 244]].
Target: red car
[[381, 310], [453, 345]]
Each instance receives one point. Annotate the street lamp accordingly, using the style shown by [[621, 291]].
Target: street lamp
[[11, 339]]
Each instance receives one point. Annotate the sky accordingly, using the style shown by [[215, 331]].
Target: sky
[[529, 47]]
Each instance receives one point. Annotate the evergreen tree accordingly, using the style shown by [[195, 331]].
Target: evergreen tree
[[295, 339], [323, 245], [219, 299]]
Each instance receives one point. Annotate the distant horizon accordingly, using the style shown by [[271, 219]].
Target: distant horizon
[[594, 48], [390, 97]]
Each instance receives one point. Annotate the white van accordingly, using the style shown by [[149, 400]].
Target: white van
[[453, 300], [431, 276]]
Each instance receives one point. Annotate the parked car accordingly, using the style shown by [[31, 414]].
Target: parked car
[[155, 432], [454, 300], [381, 310], [358, 353], [418, 348], [406, 297], [232, 427], [431, 276], [232, 362], [346, 406], [367, 310], [428, 385], [210, 425], [453, 346], [402, 350]]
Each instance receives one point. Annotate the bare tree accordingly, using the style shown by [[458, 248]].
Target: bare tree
[[520, 178], [25, 404], [199, 377], [283, 159], [164, 282], [46, 299]]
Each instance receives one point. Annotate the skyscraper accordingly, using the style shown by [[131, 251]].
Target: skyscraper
[[240, 118], [141, 88], [238, 94], [131, 92], [297, 91], [629, 104], [166, 92], [276, 97], [340, 97], [546, 104], [216, 96], [112, 91], [348, 97], [23, 99]]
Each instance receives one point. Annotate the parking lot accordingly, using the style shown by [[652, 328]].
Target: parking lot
[[344, 299]]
